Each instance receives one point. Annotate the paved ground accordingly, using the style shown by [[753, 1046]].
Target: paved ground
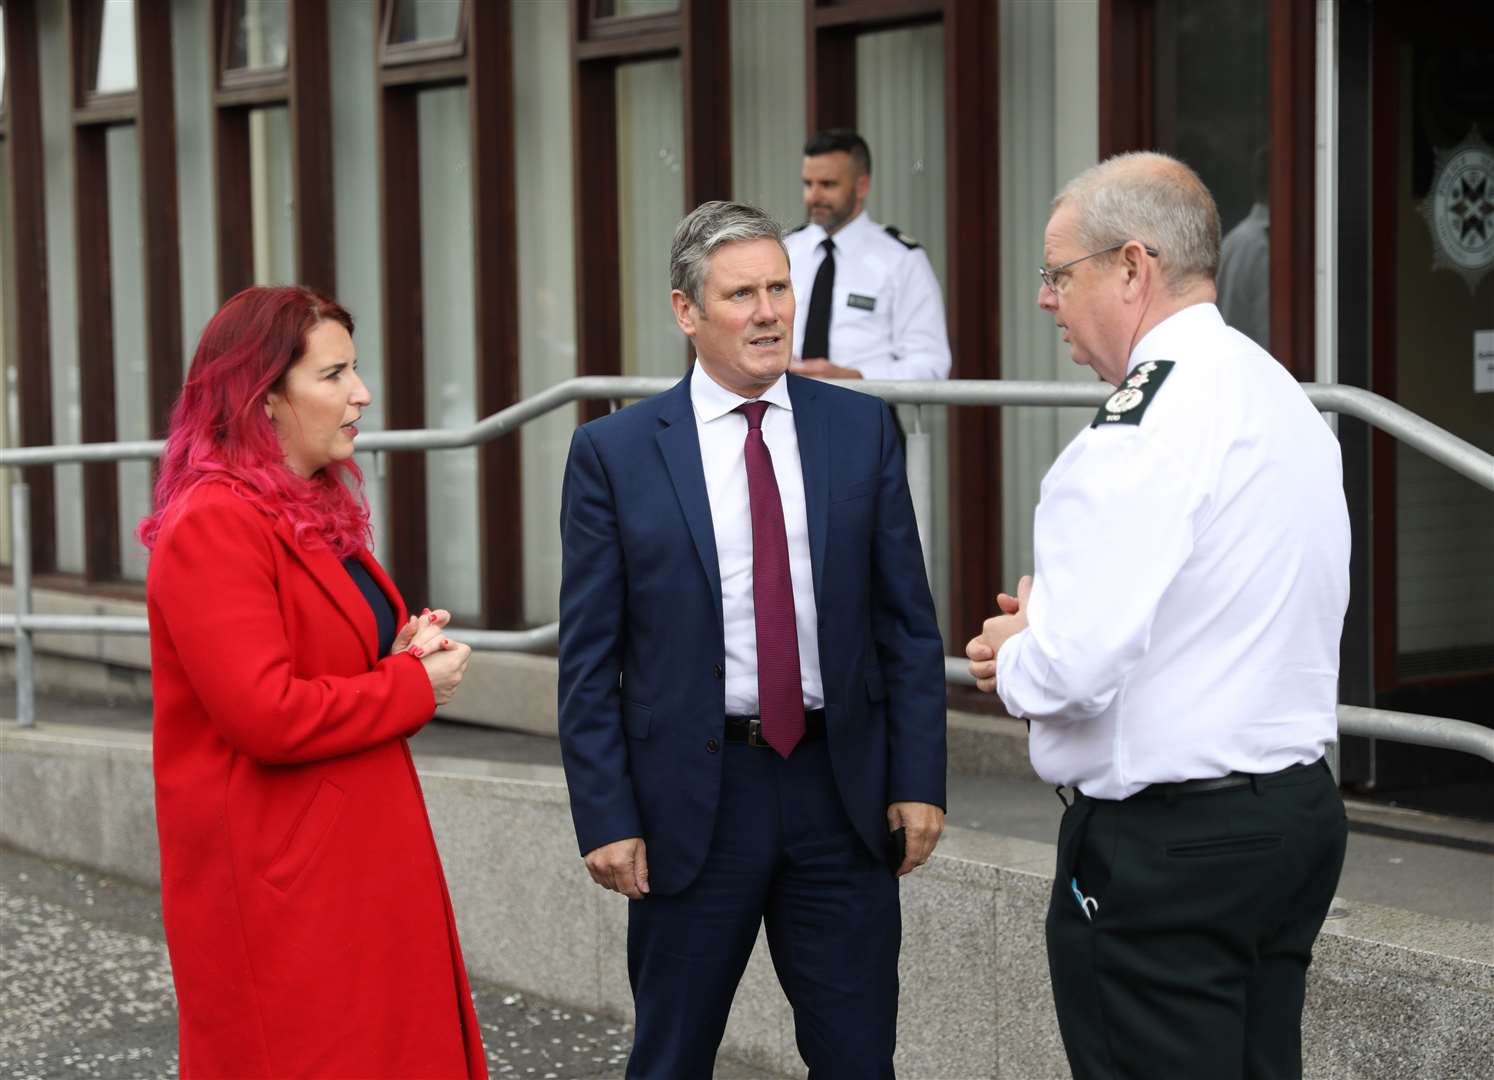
[[1449, 873], [85, 991]]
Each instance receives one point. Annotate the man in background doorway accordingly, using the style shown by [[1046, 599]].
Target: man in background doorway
[[869, 304]]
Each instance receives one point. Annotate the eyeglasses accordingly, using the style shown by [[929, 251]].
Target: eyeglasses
[[1052, 276]]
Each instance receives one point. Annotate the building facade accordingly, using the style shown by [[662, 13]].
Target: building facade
[[490, 187]]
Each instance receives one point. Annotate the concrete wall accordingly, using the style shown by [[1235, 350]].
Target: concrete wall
[[1392, 994]]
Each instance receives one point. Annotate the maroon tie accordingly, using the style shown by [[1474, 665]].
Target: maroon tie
[[780, 701]]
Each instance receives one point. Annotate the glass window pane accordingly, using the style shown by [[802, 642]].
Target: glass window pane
[[1213, 111], [547, 284], [628, 8], [271, 197], [259, 37], [3, 87], [446, 254], [651, 199], [127, 306], [900, 114], [767, 64], [355, 172], [116, 70], [427, 20]]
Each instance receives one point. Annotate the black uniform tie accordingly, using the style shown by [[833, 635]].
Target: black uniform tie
[[817, 326]]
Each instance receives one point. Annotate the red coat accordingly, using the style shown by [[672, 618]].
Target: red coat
[[306, 913]]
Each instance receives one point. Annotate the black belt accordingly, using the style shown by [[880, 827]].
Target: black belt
[[1220, 783], [749, 729]]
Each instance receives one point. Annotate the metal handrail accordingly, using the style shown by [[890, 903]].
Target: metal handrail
[[1442, 446]]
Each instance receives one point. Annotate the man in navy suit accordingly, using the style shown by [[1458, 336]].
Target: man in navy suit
[[751, 677]]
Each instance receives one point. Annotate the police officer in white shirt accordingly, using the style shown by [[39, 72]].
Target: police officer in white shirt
[[1176, 651], [868, 302]]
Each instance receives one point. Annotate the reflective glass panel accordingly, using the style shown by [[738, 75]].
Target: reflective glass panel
[[547, 283], [651, 199], [900, 114], [426, 20], [127, 308], [259, 38], [447, 286], [767, 65], [1213, 111], [272, 198], [627, 8], [116, 70]]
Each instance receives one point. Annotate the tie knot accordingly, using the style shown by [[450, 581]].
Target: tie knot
[[753, 411], [829, 245]]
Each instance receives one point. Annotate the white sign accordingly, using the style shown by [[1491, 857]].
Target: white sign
[[1483, 361]]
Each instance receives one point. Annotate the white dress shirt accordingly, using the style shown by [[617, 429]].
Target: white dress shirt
[[1191, 580], [886, 311], [723, 439]]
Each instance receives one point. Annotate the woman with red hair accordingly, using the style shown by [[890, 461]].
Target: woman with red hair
[[310, 930]]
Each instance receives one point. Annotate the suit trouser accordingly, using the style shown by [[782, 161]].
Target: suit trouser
[[783, 853], [1193, 960]]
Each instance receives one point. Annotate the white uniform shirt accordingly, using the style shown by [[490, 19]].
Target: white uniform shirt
[[886, 312], [723, 440], [1191, 580]]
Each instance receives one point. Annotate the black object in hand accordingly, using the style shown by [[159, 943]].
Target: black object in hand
[[897, 848]]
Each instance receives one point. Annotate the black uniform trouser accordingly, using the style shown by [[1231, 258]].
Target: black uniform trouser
[[1192, 959]]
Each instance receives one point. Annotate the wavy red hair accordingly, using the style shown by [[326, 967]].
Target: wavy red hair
[[220, 432]]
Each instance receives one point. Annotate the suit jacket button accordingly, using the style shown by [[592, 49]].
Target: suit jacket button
[[712, 746], [717, 672]]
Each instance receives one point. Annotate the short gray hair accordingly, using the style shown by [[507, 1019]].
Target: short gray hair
[[1155, 199], [705, 229]]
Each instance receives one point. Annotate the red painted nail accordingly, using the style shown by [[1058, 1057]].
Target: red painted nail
[[445, 644], [416, 651]]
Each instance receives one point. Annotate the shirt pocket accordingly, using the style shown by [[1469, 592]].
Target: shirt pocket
[[305, 837]]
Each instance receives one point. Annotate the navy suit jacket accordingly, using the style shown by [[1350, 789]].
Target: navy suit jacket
[[642, 693]]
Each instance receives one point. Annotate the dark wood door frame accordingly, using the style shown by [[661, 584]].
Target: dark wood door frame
[[28, 225], [699, 34], [1128, 96], [304, 87], [482, 59], [151, 108], [972, 207]]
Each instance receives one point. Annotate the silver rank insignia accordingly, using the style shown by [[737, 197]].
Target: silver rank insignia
[[1127, 404]]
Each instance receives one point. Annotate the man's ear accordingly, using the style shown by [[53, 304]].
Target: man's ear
[[863, 187], [1135, 260], [684, 312]]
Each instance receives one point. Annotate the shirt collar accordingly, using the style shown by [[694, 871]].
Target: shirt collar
[[712, 401], [852, 233], [1175, 336]]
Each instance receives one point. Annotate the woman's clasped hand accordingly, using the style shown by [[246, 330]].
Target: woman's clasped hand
[[445, 661]]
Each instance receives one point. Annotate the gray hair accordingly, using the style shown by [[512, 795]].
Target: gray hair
[[1155, 199], [705, 229]]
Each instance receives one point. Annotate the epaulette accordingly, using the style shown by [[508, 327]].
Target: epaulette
[[1127, 404], [902, 237], [796, 228]]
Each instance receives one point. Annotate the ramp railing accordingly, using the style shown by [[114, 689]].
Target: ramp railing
[[1415, 431]]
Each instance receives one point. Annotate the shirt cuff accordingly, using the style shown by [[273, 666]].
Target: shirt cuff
[[1007, 671]]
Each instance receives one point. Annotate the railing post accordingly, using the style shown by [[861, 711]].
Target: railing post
[[920, 464], [20, 553]]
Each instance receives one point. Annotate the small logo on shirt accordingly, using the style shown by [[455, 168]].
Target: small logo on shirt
[[865, 303]]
